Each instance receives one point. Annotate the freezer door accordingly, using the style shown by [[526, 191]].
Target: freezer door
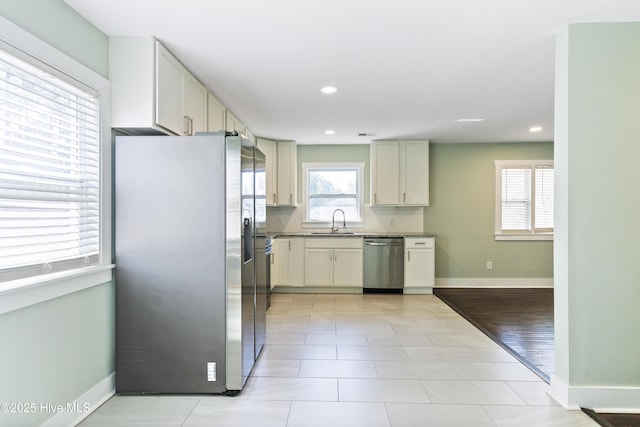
[[248, 266]]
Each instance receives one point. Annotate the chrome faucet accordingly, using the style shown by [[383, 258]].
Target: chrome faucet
[[334, 229]]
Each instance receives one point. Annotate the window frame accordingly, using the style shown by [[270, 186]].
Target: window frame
[[19, 293], [532, 233], [310, 166]]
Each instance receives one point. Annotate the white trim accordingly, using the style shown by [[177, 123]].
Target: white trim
[[34, 289], [526, 163], [92, 400], [282, 289], [29, 291], [524, 235], [602, 399], [494, 282], [424, 290], [305, 166], [528, 236]]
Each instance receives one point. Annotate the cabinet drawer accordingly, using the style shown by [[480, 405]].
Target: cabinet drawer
[[419, 243], [334, 243]]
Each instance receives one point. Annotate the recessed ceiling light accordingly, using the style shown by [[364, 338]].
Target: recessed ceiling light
[[329, 132], [471, 120], [328, 89], [535, 129]]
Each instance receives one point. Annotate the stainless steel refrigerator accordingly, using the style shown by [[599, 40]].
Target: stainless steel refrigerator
[[189, 318]]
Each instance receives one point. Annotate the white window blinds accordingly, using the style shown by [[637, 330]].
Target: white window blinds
[[516, 199], [331, 186], [544, 198], [524, 197], [49, 172]]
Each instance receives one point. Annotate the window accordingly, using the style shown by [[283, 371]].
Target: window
[[328, 187], [524, 200], [49, 171]]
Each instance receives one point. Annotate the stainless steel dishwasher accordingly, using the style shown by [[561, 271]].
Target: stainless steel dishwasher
[[383, 264]]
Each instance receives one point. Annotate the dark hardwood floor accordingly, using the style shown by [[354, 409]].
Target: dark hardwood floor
[[521, 321]]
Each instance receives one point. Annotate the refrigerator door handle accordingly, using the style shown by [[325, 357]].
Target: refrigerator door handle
[[248, 240]]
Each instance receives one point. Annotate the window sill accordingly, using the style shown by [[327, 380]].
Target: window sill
[[522, 237], [22, 293]]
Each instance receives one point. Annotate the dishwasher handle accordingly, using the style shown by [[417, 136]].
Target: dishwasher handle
[[383, 244]]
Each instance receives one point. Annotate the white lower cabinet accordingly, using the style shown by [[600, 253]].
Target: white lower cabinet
[[419, 264], [288, 262], [333, 261]]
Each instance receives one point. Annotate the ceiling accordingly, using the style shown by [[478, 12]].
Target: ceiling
[[403, 68]]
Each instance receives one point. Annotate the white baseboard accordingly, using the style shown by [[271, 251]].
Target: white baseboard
[[494, 282], [602, 399], [84, 405], [282, 289], [418, 290]]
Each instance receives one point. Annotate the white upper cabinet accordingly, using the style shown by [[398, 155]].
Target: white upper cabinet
[[216, 112], [282, 166], [385, 173], [234, 124], [287, 174], [169, 75], [270, 150], [414, 173], [152, 92], [194, 106], [400, 173]]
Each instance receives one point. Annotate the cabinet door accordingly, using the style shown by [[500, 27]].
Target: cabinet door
[[385, 173], [414, 169], [347, 267], [268, 147], [168, 90], [287, 173], [296, 262], [318, 267], [280, 273], [419, 268], [233, 123], [194, 106], [215, 114]]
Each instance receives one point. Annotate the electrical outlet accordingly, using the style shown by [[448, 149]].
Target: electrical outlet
[[489, 265]]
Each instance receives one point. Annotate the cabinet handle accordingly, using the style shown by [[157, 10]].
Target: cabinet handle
[[408, 255], [289, 245], [274, 198], [187, 125], [404, 197], [290, 199], [375, 197]]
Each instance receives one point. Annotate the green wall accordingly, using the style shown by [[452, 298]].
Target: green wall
[[462, 209], [55, 351], [63, 28], [331, 153], [598, 278]]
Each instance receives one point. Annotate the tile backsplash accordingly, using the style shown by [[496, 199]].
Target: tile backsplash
[[377, 219]]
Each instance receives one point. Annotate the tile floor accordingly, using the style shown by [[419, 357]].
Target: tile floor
[[363, 360]]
